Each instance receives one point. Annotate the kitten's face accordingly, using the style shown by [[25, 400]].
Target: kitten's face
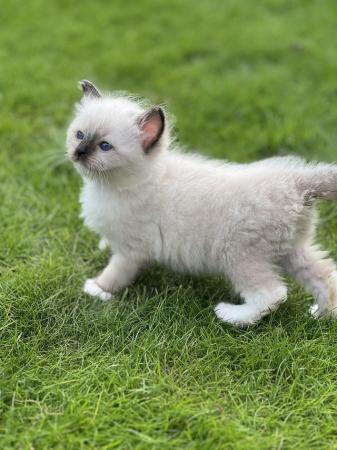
[[110, 133]]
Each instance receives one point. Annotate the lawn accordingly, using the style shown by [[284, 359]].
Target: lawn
[[154, 368]]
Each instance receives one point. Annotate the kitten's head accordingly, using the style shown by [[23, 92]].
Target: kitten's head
[[113, 135]]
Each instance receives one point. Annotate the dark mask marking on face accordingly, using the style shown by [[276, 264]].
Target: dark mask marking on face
[[85, 148]]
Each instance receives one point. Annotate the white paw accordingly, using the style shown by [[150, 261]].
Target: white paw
[[91, 288], [103, 244], [318, 313], [313, 310], [239, 315], [222, 312]]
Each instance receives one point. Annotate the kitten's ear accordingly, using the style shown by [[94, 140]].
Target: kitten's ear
[[89, 89], [151, 124]]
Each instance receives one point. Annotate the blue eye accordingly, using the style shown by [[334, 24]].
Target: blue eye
[[80, 135], [105, 146]]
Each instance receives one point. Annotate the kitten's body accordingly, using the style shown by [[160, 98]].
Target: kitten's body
[[198, 216], [247, 222]]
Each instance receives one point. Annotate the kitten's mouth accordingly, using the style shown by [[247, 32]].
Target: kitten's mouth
[[83, 164], [88, 168], [79, 160], [80, 164]]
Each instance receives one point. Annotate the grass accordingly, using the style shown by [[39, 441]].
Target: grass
[[154, 368]]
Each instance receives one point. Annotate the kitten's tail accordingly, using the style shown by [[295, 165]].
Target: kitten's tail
[[318, 181]]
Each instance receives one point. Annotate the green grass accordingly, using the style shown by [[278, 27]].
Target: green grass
[[154, 368]]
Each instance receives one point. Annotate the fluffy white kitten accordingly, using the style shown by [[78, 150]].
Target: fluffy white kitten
[[150, 202]]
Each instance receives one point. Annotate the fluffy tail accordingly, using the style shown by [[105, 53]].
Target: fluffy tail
[[318, 181]]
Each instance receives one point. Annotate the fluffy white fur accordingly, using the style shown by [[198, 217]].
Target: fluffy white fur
[[153, 203]]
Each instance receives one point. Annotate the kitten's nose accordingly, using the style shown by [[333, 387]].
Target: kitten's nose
[[82, 151]]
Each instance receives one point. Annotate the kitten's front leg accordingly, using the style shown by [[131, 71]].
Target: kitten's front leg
[[119, 273]]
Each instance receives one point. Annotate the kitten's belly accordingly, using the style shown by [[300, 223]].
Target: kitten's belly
[[146, 240], [136, 239], [184, 239]]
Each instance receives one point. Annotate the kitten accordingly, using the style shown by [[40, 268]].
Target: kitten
[[150, 202]]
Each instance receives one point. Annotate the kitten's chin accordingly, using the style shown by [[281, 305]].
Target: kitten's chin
[[90, 172]]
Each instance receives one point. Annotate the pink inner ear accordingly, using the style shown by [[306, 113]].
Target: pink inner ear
[[152, 127], [151, 130]]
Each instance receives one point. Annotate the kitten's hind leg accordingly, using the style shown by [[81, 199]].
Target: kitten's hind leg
[[119, 273], [318, 274], [261, 289]]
